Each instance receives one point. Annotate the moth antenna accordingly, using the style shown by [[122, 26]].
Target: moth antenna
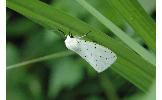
[[62, 32], [85, 34]]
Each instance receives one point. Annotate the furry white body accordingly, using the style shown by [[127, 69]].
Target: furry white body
[[99, 57]]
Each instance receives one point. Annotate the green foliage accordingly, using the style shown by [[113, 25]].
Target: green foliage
[[12, 51], [135, 15], [62, 76], [119, 33], [57, 77]]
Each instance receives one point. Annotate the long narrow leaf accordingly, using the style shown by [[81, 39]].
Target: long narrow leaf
[[118, 32], [136, 16]]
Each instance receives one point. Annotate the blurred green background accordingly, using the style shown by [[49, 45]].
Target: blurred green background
[[65, 78]]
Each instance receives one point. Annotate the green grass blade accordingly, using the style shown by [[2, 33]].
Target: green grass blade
[[108, 86], [47, 57], [119, 33], [128, 69], [52, 18], [136, 16]]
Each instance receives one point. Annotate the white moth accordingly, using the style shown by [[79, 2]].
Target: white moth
[[99, 57]]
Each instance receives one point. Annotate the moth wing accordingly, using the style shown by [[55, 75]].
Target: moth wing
[[99, 57]]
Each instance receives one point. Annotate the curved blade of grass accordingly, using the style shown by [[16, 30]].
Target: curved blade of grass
[[47, 57], [52, 18], [128, 68], [108, 86], [136, 16], [119, 33]]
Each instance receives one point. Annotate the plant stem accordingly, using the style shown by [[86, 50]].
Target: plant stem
[[47, 57]]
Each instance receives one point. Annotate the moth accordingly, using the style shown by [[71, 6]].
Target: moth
[[98, 56]]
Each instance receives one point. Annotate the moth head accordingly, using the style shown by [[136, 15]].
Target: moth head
[[71, 42]]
